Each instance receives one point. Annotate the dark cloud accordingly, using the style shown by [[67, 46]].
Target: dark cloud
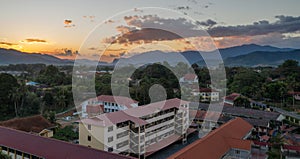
[[68, 23], [92, 48], [181, 26], [183, 8], [7, 43], [138, 10], [207, 23], [34, 40], [68, 52], [109, 21], [146, 35], [284, 24]]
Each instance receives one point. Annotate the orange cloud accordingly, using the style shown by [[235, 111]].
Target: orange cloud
[[68, 22], [7, 43]]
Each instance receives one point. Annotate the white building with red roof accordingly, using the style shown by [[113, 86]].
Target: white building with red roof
[[138, 131], [189, 78], [106, 104]]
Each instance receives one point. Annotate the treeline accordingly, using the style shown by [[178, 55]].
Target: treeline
[[272, 85], [53, 93]]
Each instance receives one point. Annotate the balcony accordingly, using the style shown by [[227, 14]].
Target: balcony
[[160, 117]]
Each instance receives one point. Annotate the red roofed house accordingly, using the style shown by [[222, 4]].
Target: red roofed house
[[227, 142], [189, 78], [229, 100], [34, 124], [107, 103]]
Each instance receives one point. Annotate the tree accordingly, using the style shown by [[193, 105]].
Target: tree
[[289, 67], [66, 134], [275, 150], [4, 156], [242, 102], [15, 96], [8, 84], [246, 82]]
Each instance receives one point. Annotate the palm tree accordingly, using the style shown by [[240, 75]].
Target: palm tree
[[15, 95], [275, 150]]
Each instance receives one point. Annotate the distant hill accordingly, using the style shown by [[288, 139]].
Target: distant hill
[[195, 57], [246, 49], [9, 56], [244, 55], [17, 57], [263, 58]]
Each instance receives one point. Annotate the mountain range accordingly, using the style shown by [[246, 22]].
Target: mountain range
[[244, 55]]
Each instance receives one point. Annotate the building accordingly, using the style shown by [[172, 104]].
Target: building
[[189, 78], [229, 100], [259, 119], [207, 95], [22, 145], [106, 103], [226, 142], [138, 131], [34, 124]]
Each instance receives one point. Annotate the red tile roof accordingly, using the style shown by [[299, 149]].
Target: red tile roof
[[118, 99], [49, 148], [218, 142], [232, 96], [291, 147], [34, 124], [134, 114], [207, 90], [94, 109]]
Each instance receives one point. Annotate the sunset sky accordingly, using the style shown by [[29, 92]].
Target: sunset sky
[[55, 26]]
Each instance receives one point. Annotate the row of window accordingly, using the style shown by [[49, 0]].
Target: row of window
[[10, 151]]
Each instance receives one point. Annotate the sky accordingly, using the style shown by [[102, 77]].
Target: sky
[[69, 28]]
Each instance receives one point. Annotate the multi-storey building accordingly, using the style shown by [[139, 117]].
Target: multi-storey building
[[137, 131], [207, 95], [107, 104], [22, 145]]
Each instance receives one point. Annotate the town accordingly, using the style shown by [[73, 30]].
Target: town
[[123, 127]]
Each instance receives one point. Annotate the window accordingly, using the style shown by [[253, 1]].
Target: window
[[111, 128], [110, 149], [89, 127], [122, 144], [89, 138], [237, 151], [110, 139]]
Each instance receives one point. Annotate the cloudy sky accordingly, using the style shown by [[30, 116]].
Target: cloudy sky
[[63, 27]]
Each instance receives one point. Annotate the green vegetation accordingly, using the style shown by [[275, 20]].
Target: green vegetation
[[66, 134], [19, 100], [4, 156], [268, 84], [275, 150]]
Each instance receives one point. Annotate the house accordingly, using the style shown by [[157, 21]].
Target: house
[[23, 145], [296, 95], [229, 100], [139, 131], [189, 78], [226, 142], [106, 104], [34, 124], [207, 95]]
